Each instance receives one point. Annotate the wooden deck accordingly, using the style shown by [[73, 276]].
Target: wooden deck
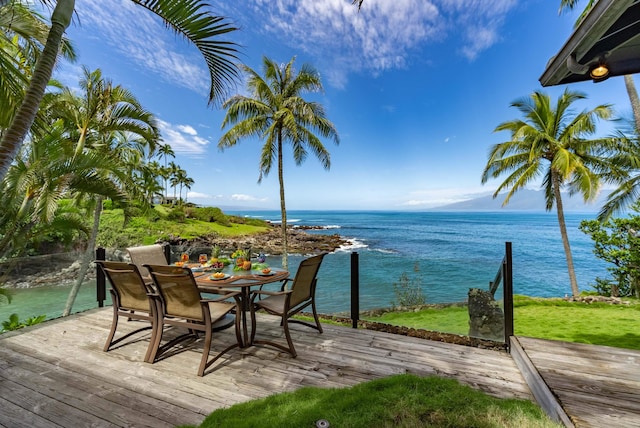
[[597, 386], [56, 374]]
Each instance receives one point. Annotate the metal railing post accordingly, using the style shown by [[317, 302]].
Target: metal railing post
[[355, 289], [508, 294], [101, 284], [167, 252]]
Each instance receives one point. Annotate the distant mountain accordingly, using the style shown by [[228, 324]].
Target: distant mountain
[[525, 200]]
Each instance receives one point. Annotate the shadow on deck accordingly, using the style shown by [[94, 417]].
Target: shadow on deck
[[56, 374]]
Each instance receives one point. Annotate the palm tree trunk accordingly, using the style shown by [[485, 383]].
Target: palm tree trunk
[[633, 97], [283, 208], [86, 258], [22, 121], [565, 238]]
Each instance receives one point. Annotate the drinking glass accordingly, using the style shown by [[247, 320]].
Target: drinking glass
[[184, 257], [202, 258]]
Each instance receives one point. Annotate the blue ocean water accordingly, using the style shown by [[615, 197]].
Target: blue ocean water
[[454, 251]]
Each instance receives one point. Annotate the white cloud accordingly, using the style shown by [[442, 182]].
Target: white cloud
[[183, 139], [379, 37], [188, 129], [141, 36], [198, 195], [245, 198]]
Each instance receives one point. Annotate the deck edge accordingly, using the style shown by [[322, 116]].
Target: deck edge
[[540, 390]]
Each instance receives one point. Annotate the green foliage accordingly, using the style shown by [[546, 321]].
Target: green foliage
[[177, 214], [14, 322], [408, 289], [210, 214], [617, 241], [401, 401]]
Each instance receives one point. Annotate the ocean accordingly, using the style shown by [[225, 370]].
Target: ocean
[[454, 251]]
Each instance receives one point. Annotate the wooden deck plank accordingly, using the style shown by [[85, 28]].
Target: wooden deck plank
[[596, 385], [340, 357]]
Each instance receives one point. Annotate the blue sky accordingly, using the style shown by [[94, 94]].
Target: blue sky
[[415, 89]]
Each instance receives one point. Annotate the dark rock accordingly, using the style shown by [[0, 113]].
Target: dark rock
[[486, 318]]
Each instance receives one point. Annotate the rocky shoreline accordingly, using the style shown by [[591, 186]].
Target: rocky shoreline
[[270, 242], [62, 270]]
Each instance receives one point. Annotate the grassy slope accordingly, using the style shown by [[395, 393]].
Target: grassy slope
[[148, 229]]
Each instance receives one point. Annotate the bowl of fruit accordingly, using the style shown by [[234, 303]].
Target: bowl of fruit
[[217, 266]]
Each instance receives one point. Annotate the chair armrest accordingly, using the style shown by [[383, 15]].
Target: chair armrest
[[271, 293], [234, 294], [284, 283]]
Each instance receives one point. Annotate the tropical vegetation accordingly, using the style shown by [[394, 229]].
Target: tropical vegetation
[[190, 19], [552, 143], [617, 242], [276, 112]]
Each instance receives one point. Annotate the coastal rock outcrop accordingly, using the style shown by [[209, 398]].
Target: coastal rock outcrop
[[269, 242]]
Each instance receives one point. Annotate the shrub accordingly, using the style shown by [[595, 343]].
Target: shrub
[[14, 322], [211, 215], [408, 290], [177, 214]]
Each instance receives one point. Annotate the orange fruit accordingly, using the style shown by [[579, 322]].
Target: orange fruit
[[246, 265]]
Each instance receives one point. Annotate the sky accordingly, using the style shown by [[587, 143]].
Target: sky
[[415, 89]]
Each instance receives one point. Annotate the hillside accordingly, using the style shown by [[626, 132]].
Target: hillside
[[525, 200]]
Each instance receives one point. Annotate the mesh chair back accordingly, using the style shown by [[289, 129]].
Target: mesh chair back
[[178, 290], [147, 255], [303, 286], [127, 283]]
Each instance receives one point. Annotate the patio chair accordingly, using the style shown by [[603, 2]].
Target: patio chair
[[180, 304], [147, 254], [288, 302], [131, 299]]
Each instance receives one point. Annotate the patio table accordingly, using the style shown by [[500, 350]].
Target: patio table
[[244, 281]]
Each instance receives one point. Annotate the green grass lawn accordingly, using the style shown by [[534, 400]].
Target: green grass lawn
[[403, 401], [556, 319]]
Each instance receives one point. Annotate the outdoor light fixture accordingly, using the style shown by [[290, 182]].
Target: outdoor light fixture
[[599, 69], [599, 72]]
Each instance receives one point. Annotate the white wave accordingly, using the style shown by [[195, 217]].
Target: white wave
[[332, 226], [289, 220], [352, 244]]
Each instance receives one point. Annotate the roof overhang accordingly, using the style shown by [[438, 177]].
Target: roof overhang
[[609, 34]]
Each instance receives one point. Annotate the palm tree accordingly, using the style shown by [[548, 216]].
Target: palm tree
[[551, 143], [165, 150], [110, 121], [628, 79], [276, 112], [187, 183], [188, 18], [22, 34]]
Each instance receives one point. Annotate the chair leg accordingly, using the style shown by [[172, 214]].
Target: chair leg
[[114, 325], [315, 315], [285, 326], [253, 327], [205, 350], [153, 345], [156, 338]]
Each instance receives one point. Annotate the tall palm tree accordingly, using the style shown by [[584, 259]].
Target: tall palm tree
[[108, 120], [551, 143], [187, 183], [276, 112], [628, 79], [165, 150], [188, 18], [23, 32]]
